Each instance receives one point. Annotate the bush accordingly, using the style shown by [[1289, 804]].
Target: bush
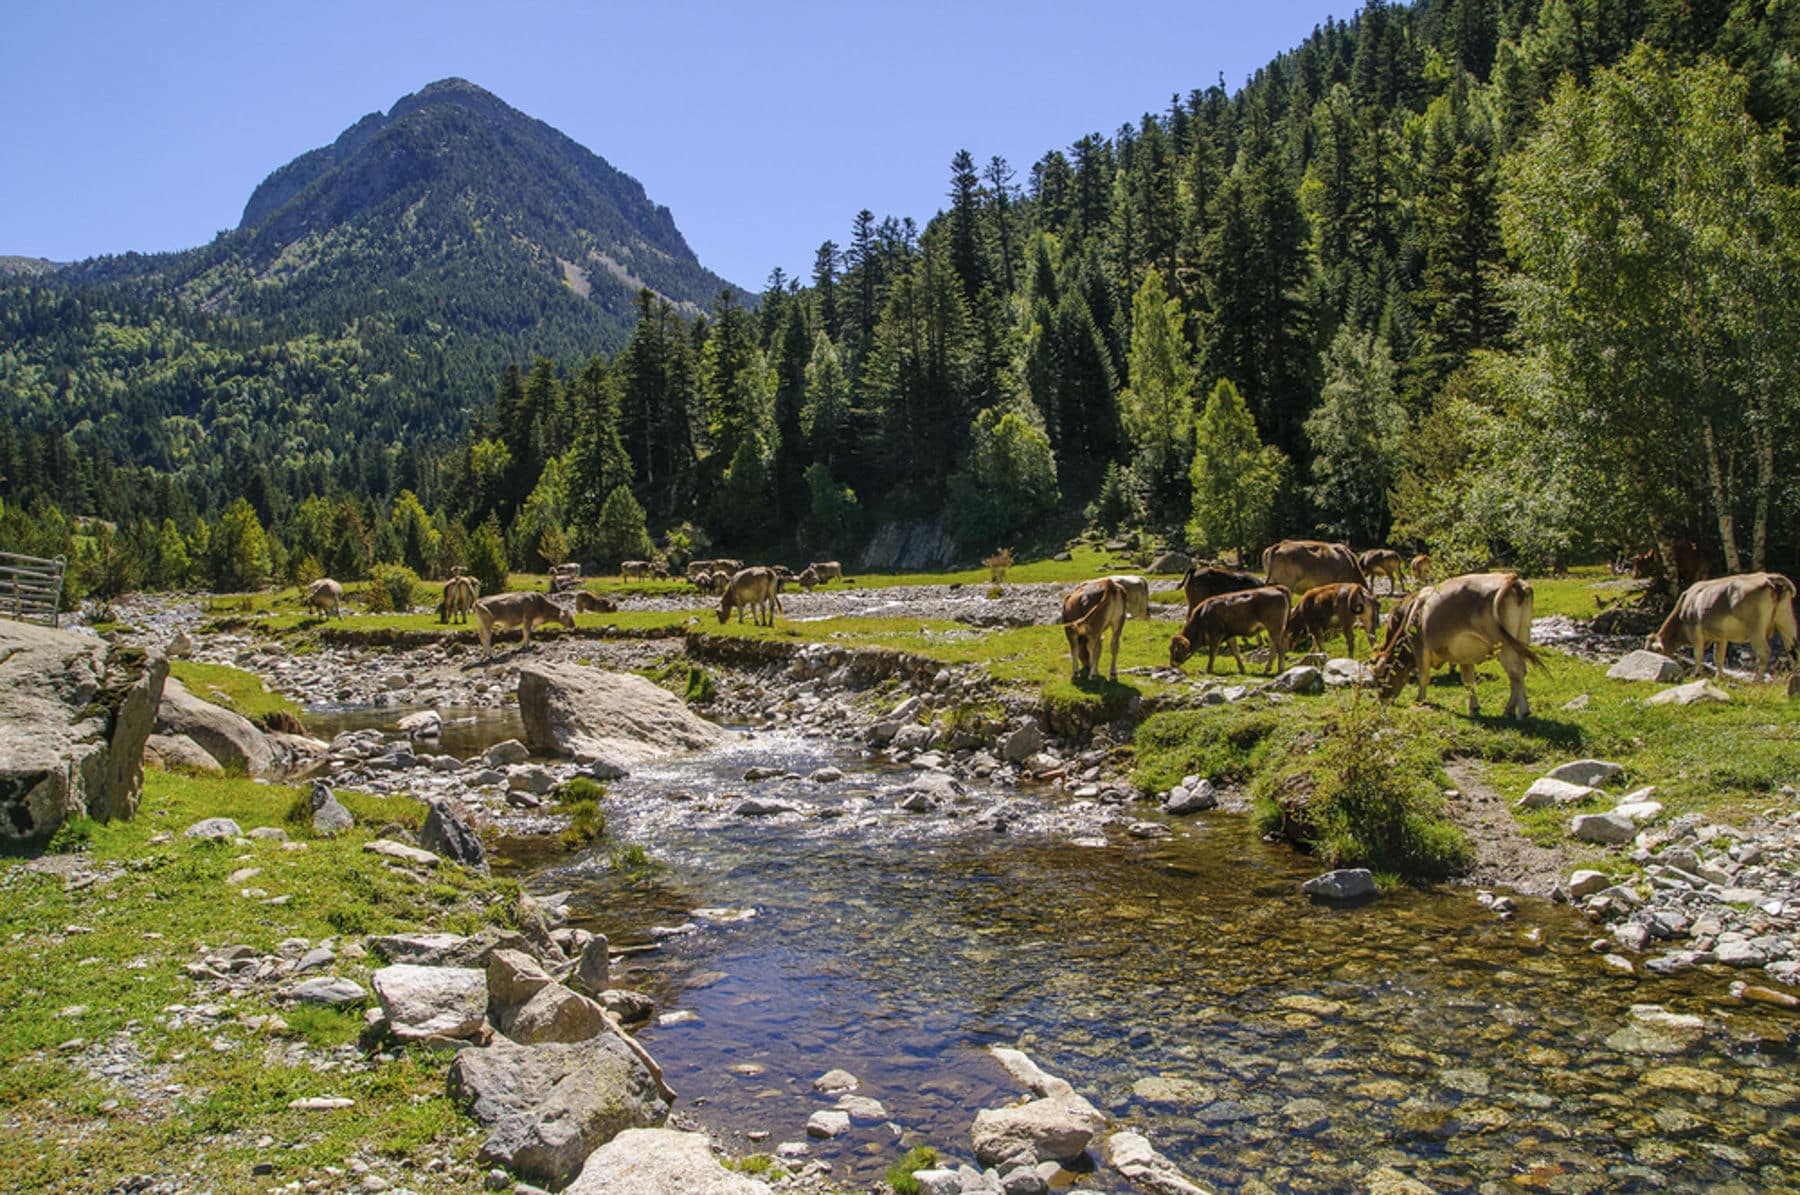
[[487, 558], [1366, 795], [393, 589], [900, 1174]]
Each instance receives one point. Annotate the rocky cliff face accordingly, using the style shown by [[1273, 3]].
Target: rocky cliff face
[[74, 714]]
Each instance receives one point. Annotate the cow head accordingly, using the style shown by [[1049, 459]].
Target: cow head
[[1395, 666], [724, 609], [1366, 610], [1179, 650], [566, 617]]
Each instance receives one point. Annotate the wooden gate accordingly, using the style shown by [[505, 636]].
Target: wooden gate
[[31, 588]]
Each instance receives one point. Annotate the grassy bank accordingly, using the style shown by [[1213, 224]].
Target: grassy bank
[[232, 688], [91, 973]]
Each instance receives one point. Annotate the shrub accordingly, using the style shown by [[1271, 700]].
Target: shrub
[[487, 557], [630, 860], [393, 589], [900, 1174], [1365, 796]]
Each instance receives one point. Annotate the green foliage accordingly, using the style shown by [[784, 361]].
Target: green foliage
[[580, 789], [239, 553], [700, 688], [630, 860], [394, 589], [72, 837], [587, 821], [1157, 408], [620, 534], [1009, 482], [900, 1173], [1357, 435], [834, 516], [1235, 477], [487, 558], [1115, 505]]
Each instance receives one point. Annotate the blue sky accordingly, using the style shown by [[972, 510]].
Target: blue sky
[[763, 127]]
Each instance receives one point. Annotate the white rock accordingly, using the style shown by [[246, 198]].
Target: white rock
[[1132, 1156], [1645, 666], [1586, 882], [827, 1122], [1688, 694], [1548, 790], [1594, 772], [1638, 812], [399, 850], [422, 1002], [1610, 828], [1347, 883]]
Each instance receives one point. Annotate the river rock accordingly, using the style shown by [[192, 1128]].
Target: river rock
[[1346, 883], [213, 829], [178, 753], [1185, 798], [1022, 743], [329, 817], [75, 712], [827, 1123], [550, 1106], [334, 991], [581, 711], [660, 1162], [505, 754], [593, 972], [422, 1002], [1302, 678], [1042, 1130], [529, 1006], [1550, 790], [1132, 1155], [1591, 772], [1610, 828], [1646, 666], [914, 736], [448, 950], [1688, 694], [1586, 882], [426, 724], [836, 1082], [228, 737], [449, 836]]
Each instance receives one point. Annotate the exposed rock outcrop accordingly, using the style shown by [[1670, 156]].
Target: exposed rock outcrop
[[591, 714], [660, 1162], [230, 738], [75, 713]]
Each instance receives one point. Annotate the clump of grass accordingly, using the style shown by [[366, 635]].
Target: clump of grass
[[587, 821], [581, 790], [323, 1027], [630, 860], [758, 1166], [1225, 746], [900, 1174], [700, 688], [1366, 796], [72, 837]]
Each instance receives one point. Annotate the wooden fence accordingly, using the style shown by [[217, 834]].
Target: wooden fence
[[31, 588]]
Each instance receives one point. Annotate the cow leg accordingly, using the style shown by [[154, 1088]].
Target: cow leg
[[1237, 655], [1761, 650], [1212, 650], [1118, 630], [1517, 704], [1468, 679]]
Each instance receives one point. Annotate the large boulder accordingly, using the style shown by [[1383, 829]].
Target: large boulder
[[549, 1106], [178, 753], [422, 1002], [1171, 562], [75, 713], [1132, 1155], [1046, 1129], [588, 713], [446, 834], [660, 1162], [230, 738], [1646, 665]]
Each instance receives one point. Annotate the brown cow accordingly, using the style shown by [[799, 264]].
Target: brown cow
[[326, 596], [1332, 608], [1206, 581], [827, 570], [1230, 617], [1745, 608], [1303, 564], [752, 587], [460, 593], [1462, 621], [593, 603], [505, 610], [1421, 569], [634, 570], [808, 578], [1384, 562], [1089, 611]]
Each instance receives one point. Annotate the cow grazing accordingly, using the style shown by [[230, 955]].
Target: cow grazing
[[754, 588], [721, 580], [1745, 608], [1421, 569], [1302, 564], [1321, 612], [634, 570], [324, 595], [1462, 621], [1383, 562], [460, 593], [506, 610], [1089, 611], [1207, 581], [699, 568], [1137, 593], [827, 570], [1230, 617], [808, 578], [593, 603]]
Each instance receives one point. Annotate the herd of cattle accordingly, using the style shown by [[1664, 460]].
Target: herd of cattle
[[1461, 621]]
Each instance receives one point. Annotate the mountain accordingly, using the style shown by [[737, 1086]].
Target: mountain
[[29, 267], [453, 213]]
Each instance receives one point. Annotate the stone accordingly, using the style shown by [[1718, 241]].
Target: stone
[[862, 1108], [536, 780], [447, 950], [1347, 883], [334, 991], [1610, 828], [390, 849], [836, 1082], [1171, 562], [1339, 672], [548, 1107], [505, 754], [1045, 1129], [1388, 1181], [1302, 678], [1688, 694], [178, 753], [1591, 772], [228, 737], [1132, 1155], [1638, 812], [75, 713], [1586, 882], [1022, 743], [213, 829], [1549, 790], [1191, 798], [426, 724], [827, 1122], [422, 1002], [914, 736], [763, 807], [329, 817], [450, 837], [572, 709], [593, 970], [1644, 665], [660, 1162]]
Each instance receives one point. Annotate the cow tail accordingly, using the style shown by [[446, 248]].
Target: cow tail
[[1523, 592]]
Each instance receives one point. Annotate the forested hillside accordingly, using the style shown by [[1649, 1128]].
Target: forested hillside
[[1506, 280]]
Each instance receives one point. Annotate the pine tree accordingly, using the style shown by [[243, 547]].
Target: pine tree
[[1157, 408], [1357, 436], [1235, 477]]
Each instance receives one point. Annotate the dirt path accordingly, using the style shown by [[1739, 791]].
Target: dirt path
[[1504, 856]]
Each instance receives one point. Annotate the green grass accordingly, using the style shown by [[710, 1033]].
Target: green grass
[[167, 902], [900, 1173], [232, 688]]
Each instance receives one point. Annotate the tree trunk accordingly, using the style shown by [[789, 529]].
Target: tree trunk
[[1721, 499], [1765, 482]]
